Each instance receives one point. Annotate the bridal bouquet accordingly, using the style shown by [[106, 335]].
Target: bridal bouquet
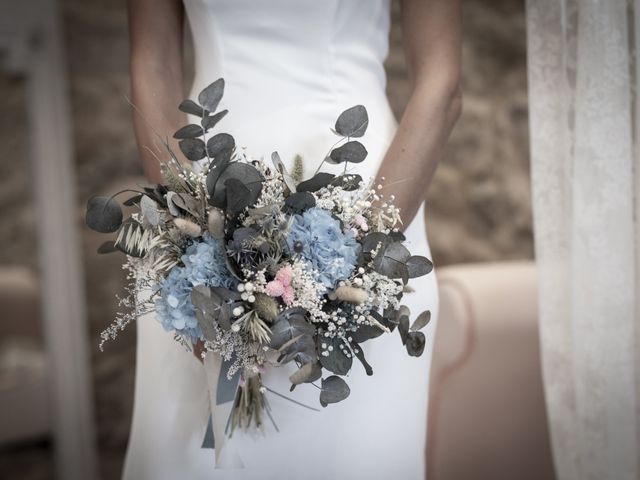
[[256, 268]]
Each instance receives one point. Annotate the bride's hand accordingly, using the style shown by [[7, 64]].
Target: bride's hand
[[199, 350], [433, 42]]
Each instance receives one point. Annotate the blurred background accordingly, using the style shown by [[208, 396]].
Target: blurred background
[[478, 206]]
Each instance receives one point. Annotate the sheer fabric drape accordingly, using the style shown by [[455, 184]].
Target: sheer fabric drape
[[583, 82]]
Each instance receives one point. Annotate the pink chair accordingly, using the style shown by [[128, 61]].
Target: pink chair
[[487, 417]]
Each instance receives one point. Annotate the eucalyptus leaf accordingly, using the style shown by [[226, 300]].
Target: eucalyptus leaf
[[301, 347], [418, 266], [280, 167], [207, 308], [348, 182], [391, 260], [149, 210], [211, 121], [103, 214], [365, 332], [210, 97], [218, 165], [416, 342], [422, 321], [307, 373], [315, 183], [238, 196], [189, 131], [131, 201], [353, 122], [289, 324], [193, 149], [233, 267], [372, 240], [107, 247], [184, 203], [336, 360], [157, 193], [403, 328], [192, 108], [359, 353], [219, 143], [397, 236], [351, 152], [215, 223], [245, 173], [333, 390], [299, 202]]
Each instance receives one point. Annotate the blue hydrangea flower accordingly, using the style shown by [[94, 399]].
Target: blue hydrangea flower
[[318, 238], [204, 264]]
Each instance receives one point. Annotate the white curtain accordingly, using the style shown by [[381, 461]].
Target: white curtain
[[583, 88]]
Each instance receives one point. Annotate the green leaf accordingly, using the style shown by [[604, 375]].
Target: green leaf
[[348, 182], [107, 247], [150, 212], [315, 183], [189, 131], [289, 324], [372, 240], [103, 214], [351, 152], [238, 196], [192, 148], [336, 360], [422, 321], [416, 342], [418, 266], [353, 122], [192, 108], [210, 97], [131, 201], [403, 328], [299, 202], [208, 306], [333, 390], [359, 353], [282, 170], [309, 372], [211, 121], [245, 173], [391, 260], [219, 143]]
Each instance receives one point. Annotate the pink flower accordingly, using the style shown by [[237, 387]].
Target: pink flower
[[287, 296], [284, 275], [281, 285], [275, 288]]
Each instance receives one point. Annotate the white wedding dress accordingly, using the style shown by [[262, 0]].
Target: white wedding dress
[[291, 67]]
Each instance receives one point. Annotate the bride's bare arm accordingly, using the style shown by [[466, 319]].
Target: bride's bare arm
[[433, 37], [155, 31]]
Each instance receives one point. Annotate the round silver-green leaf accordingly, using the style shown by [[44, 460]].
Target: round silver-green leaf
[[353, 122], [103, 214]]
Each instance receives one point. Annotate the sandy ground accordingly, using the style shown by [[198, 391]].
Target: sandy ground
[[478, 206]]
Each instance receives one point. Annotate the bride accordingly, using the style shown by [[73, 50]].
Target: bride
[[291, 67]]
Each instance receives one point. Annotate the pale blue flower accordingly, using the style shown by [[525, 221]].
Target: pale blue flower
[[318, 238], [204, 264]]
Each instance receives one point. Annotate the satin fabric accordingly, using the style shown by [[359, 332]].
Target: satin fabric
[[291, 67]]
